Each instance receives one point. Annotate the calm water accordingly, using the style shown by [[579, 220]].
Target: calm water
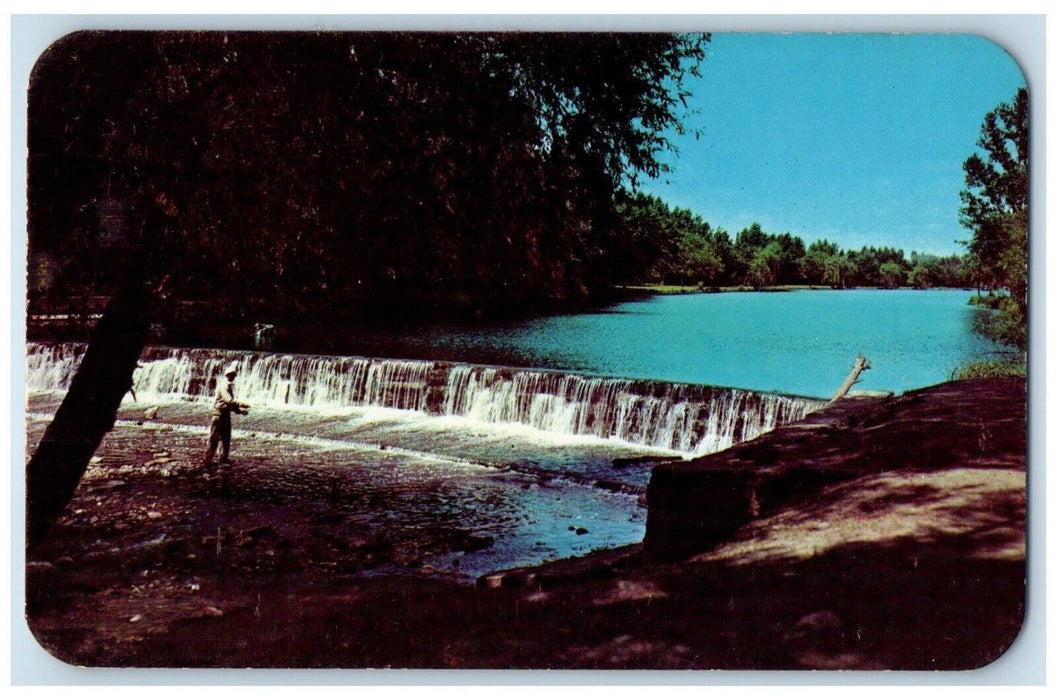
[[801, 342]]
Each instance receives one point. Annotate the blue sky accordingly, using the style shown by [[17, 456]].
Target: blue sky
[[857, 138]]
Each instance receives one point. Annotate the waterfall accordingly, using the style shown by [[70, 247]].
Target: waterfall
[[51, 367], [687, 418]]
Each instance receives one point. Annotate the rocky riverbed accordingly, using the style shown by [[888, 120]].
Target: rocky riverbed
[[159, 563]]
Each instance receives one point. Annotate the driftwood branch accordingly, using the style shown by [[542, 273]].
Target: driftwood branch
[[860, 366]]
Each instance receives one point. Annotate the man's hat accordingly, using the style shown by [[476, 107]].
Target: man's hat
[[232, 368]]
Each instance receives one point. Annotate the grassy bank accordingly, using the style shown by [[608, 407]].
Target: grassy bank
[[992, 369]]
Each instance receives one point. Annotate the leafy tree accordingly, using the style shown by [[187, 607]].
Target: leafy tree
[[994, 208], [892, 275], [651, 244], [661, 244], [935, 271], [838, 271], [670, 245], [319, 172], [724, 248], [868, 263], [765, 266], [790, 252], [920, 277], [824, 246], [702, 264], [813, 262], [1009, 325]]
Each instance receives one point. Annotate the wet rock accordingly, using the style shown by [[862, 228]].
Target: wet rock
[[611, 485], [36, 568], [475, 543], [506, 579], [622, 462], [819, 620], [354, 542], [260, 531], [151, 413], [818, 640], [245, 538]]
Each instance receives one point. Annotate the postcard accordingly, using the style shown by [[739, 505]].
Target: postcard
[[534, 349]]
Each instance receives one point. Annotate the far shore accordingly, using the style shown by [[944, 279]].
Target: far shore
[[664, 289]]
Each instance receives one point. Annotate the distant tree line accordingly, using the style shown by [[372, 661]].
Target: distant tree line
[[666, 245]]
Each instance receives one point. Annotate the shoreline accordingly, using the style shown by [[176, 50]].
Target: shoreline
[[267, 572], [49, 321], [676, 289]]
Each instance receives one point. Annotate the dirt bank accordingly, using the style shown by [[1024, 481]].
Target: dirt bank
[[918, 566]]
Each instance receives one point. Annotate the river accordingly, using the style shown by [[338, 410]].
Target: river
[[799, 342], [455, 428]]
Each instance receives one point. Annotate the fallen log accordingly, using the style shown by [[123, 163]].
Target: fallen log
[[861, 365]]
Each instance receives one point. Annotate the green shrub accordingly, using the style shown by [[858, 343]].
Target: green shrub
[[987, 301], [991, 369], [1006, 325]]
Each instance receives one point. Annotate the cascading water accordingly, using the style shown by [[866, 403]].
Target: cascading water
[[689, 419], [545, 464]]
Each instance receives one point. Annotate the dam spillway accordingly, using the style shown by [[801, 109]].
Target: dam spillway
[[685, 418], [543, 464]]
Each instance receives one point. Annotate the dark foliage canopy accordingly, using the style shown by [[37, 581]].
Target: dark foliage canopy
[[315, 172]]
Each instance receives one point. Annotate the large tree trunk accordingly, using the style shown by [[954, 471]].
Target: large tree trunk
[[90, 407]]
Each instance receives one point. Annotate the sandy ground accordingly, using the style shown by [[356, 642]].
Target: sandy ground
[[157, 563]]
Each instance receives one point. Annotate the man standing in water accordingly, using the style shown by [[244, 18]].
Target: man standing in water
[[223, 406]]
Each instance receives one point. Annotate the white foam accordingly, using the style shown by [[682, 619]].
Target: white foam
[[547, 406]]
